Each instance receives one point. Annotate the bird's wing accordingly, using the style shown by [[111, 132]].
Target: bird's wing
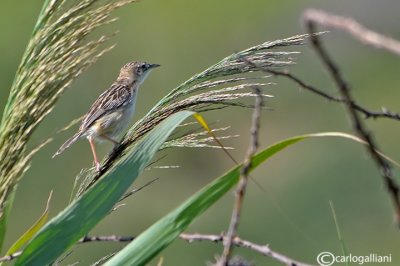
[[116, 96]]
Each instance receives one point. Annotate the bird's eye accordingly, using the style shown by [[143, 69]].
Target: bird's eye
[[144, 67], [139, 70]]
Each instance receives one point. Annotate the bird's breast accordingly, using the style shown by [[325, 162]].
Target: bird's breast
[[124, 117]]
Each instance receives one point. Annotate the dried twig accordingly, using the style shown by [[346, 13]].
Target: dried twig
[[354, 28], [262, 249], [368, 113], [358, 126], [241, 188]]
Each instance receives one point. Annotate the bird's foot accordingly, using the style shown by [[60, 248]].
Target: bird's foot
[[97, 165]]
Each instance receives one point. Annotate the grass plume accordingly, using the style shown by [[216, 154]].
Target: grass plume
[[207, 91], [57, 53]]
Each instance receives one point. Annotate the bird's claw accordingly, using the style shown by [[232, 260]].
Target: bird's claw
[[97, 165]]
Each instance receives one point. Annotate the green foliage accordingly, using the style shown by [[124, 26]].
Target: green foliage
[[56, 54], [28, 235], [148, 244], [84, 213], [211, 89], [339, 234], [3, 221]]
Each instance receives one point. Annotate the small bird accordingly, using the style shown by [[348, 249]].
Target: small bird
[[111, 113]]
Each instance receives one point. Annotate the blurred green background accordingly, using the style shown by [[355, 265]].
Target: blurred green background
[[185, 37]]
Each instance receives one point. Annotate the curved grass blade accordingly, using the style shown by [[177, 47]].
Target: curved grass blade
[[84, 213], [58, 51], [148, 244], [32, 230]]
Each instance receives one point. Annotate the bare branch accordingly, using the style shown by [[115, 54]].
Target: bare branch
[[358, 126], [262, 249], [241, 188], [368, 114], [354, 28]]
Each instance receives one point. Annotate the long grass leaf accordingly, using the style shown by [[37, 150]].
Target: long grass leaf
[[57, 53], [84, 213], [148, 244], [32, 230], [339, 234]]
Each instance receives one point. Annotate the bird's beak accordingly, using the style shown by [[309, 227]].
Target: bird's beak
[[153, 65]]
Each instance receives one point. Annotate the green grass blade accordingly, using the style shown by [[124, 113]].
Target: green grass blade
[[28, 235], [83, 214], [339, 234], [162, 233], [4, 218], [58, 51]]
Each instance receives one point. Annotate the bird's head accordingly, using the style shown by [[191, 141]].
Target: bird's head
[[136, 71]]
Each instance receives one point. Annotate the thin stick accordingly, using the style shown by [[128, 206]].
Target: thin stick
[[382, 164], [262, 249], [244, 174], [385, 113]]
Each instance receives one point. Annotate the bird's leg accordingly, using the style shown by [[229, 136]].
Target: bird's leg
[[116, 143], [96, 161]]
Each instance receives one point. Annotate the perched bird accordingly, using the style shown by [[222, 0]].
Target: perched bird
[[111, 113]]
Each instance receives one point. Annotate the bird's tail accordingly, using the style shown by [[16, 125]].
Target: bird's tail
[[68, 143]]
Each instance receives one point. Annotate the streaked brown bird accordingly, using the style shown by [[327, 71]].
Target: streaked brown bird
[[111, 113]]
